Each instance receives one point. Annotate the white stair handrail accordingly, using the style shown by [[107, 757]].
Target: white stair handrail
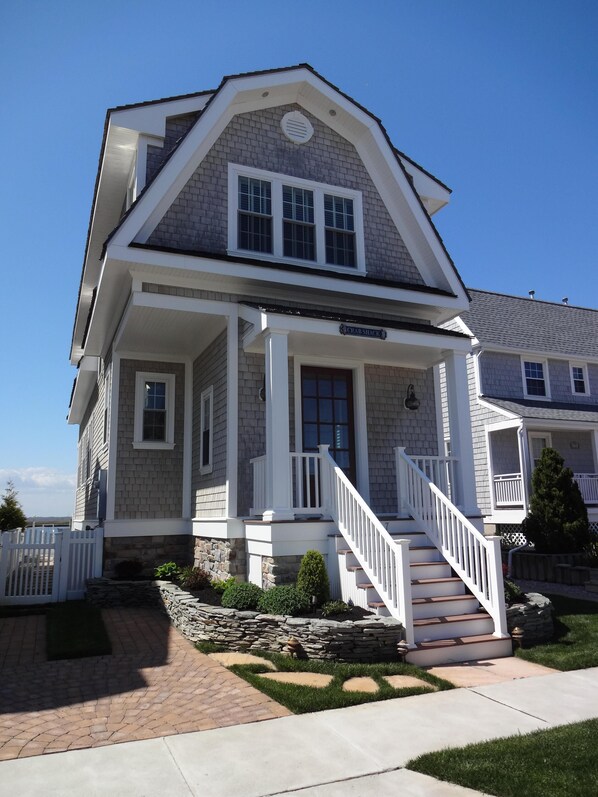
[[384, 560], [476, 559]]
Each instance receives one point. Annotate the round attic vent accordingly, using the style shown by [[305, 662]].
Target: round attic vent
[[296, 127]]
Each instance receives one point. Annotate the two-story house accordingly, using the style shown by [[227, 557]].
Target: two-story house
[[533, 382], [257, 330]]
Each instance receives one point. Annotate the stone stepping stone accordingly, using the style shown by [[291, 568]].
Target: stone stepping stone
[[407, 681], [229, 658], [314, 679], [363, 684]]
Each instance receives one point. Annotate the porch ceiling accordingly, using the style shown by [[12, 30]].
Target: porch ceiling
[[168, 332]]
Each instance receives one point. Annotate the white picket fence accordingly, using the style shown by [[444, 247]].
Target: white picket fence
[[46, 565]]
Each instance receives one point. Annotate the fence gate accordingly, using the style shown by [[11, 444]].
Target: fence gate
[[44, 565]]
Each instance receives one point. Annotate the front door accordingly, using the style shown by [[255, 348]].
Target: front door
[[327, 414]]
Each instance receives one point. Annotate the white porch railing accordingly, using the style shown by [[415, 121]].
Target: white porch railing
[[384, 560], [305, 487], [508, 489], [440, 471], [476, 559]]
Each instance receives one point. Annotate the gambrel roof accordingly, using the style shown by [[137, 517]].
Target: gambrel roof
[[522, 324]]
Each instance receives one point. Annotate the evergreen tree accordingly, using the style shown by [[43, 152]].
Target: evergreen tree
[[558, 519], [312, 578], [11, 513]]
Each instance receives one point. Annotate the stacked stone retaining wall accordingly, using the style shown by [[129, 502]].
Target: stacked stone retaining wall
[[534, 617]]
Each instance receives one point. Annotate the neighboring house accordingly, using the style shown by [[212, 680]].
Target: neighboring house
[[262, 278], [533, 378]]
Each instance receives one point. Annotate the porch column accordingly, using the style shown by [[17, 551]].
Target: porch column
[[460, 430], [278, 472], [524, 465]]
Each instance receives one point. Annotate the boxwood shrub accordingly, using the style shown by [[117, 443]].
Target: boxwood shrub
[[284, 599], [243, 596]]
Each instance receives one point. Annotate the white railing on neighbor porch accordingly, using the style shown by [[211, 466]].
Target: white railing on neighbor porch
[[508, 489], [476, 559], [385, 560], [588, 485]]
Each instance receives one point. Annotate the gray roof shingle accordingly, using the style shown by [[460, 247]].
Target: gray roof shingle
[[532, 325], [547, 410]]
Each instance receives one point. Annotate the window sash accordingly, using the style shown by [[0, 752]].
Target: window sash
[[579, 379], [535, 379]]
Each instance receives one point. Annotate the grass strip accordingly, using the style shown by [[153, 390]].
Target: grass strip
[[575, 642], [305, 699], [559, 762], [74, 630]]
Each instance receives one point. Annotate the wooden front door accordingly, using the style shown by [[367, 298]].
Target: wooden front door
[[327, 414]]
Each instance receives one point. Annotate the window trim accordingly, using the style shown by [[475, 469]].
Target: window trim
[[586, 383], [544, 364], [207, 394], [141, 377], [537, 435], [319, 189]]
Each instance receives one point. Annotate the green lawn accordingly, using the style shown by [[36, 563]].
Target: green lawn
[[75, 629], [575, 643], [560, 762], [303, 699]]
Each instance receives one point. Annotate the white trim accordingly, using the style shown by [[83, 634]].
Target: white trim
[[544, 364], [439, 412], [535, 354], [220, 528], [141, 377], [576, 364], [318, 189], [359, 411], [188, 439], [167, 527], [206, 398], [232, 412], [537, 435], [113, 443]]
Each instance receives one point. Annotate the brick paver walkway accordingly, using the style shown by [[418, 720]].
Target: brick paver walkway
[[154, 684]]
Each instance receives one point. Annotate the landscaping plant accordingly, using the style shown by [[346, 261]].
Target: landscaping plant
[[284, 599], [11, 513], [169, 571], [335, 607], [243, 596], [220, 585], [313, 577], [194, 578], [558, 519]]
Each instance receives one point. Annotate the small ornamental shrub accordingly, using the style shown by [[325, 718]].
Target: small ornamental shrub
[[284, 599], [558, 519], [194, 578], [128, 568], [313, 577], [512, 592], [169, 571], [335, 607], [244, 596], [220, 586]]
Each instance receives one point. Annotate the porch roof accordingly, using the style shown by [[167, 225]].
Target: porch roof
[[547, 410]]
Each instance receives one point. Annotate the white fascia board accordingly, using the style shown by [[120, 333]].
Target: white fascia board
[[245, 271], [499, 426], [428, 189], [84, 385], [151, 119], [183, 304], [547, 425], [499, 410]]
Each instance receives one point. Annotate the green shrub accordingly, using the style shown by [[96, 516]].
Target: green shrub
[[335, 607], [194, 578], [169, 571], [128, 568], [220, 586], [558, 519], [312, 578], [512, 592], [284, 599], [244, 596]]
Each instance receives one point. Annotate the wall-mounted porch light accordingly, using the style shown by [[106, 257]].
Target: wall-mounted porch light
[[411, 401], [262, 391]]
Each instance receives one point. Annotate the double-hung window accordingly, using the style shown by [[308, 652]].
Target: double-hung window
[[154, 410], [535, 378], [579, 380], [206, 430], [275, 217]]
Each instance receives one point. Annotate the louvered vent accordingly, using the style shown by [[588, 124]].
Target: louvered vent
[[296, 127]]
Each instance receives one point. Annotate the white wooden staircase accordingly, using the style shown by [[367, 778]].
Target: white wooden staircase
[[448, 623]]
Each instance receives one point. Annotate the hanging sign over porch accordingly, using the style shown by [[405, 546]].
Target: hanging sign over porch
[[362, 332]]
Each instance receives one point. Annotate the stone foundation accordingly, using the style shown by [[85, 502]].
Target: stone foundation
[[534, 617], [150, 551], [221, 558], [367, 640], [280, 570]]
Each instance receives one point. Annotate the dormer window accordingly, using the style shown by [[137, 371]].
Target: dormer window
[[579, 380], [535, 379], [295, 220]]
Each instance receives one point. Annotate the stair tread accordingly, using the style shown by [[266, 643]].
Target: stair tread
[[440, 563], [456, 641], [453, 618], [435, 580], [441, 598]]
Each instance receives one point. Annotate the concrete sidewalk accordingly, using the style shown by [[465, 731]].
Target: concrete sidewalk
[[353, 751]]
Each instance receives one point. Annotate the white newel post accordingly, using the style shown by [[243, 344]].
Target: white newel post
[[460, 429], [278, 467], [401, 482], [524, 465]]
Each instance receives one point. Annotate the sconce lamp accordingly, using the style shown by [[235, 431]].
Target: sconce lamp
[[411, 401], [262, 391]]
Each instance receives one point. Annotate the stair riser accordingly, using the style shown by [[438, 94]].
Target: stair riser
[[441, 589], [431, 570], [451, 630], [415, 540], [424, 555], [481, 650], [441, 609]]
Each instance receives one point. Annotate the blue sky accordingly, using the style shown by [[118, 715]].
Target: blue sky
[[497, 98]]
